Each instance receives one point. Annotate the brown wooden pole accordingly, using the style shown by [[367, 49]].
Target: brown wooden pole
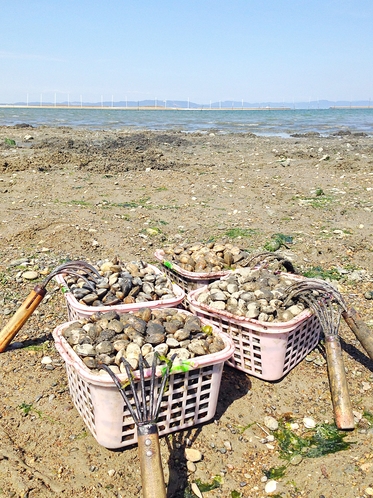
[[21, 316], [152, 479], [344, 418], [360, 329]]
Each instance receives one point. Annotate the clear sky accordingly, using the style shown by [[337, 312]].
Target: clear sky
[[204, 50]]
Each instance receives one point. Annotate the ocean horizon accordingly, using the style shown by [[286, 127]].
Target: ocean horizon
[[282, 122]]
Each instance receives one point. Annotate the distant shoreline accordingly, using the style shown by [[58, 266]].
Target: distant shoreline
[[142, 108]]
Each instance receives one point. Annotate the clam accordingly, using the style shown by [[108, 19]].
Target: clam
[[253, 293], [164, 331], [205, 258]]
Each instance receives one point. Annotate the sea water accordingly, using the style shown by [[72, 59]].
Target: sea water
[[265, 122]]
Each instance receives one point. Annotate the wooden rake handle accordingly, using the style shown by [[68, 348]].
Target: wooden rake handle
[[21, 316], [360, 329], [344, 418], [152, 479]]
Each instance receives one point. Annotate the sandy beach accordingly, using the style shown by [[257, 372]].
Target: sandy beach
[[91, 195]]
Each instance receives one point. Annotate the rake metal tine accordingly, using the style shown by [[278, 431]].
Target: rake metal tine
[[127, 366], [122, 392], [153, 414], [142, 386], [73, 267]]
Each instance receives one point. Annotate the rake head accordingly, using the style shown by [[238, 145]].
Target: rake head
[[146, 411], [74, 268], [323, 299]]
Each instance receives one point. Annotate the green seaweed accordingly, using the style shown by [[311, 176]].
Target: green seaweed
[[275, 472], [278, 240], [319, 272], [10, 141], [236, 494], [203, 487], [27, 408], [323, 440], [368, 416], [234, 233]]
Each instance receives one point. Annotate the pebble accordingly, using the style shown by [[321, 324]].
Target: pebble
[[271, 423], [270, 487], [309, 423], [30, 275], [193, 455], [111, 472], [196, 490], [369, 491], [191, 466], [228, 445], [46, 360]]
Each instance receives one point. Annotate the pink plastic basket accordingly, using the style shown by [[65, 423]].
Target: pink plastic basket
[[187, 280], [76, 310], [266, 350], [190, 398]]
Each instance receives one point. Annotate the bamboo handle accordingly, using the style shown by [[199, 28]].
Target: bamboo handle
[[344, 418], [360, 329], [21, 316], [152, 478]]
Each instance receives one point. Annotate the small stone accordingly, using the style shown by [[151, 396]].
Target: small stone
[[46, 360], [270, 487], [228, 445], [111, 472], [369, 491], [196, 490], [271, 423], [30, 275], [309, 423], [193, 455]]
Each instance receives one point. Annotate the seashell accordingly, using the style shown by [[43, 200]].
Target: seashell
[[105, 347], [172, 342], [133, 350], [85, 350], [90, 362], [133, 361], [228, 258], [146, 349], [198, 347], [120, 344], [161, 349], [128, 334], [89, 298], [182, 354]]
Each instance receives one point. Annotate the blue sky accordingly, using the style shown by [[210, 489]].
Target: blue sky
[[204, 50]]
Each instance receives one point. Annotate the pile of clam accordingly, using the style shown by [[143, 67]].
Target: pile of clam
[[107, 337], [252, 293], [205, 258], [135, 282]]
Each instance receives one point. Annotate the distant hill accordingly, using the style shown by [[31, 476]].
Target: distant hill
[[184, 104]]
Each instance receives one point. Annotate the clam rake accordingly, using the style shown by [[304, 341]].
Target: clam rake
[[145, 416], [36, 296], [328, 311], [350, 315]]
